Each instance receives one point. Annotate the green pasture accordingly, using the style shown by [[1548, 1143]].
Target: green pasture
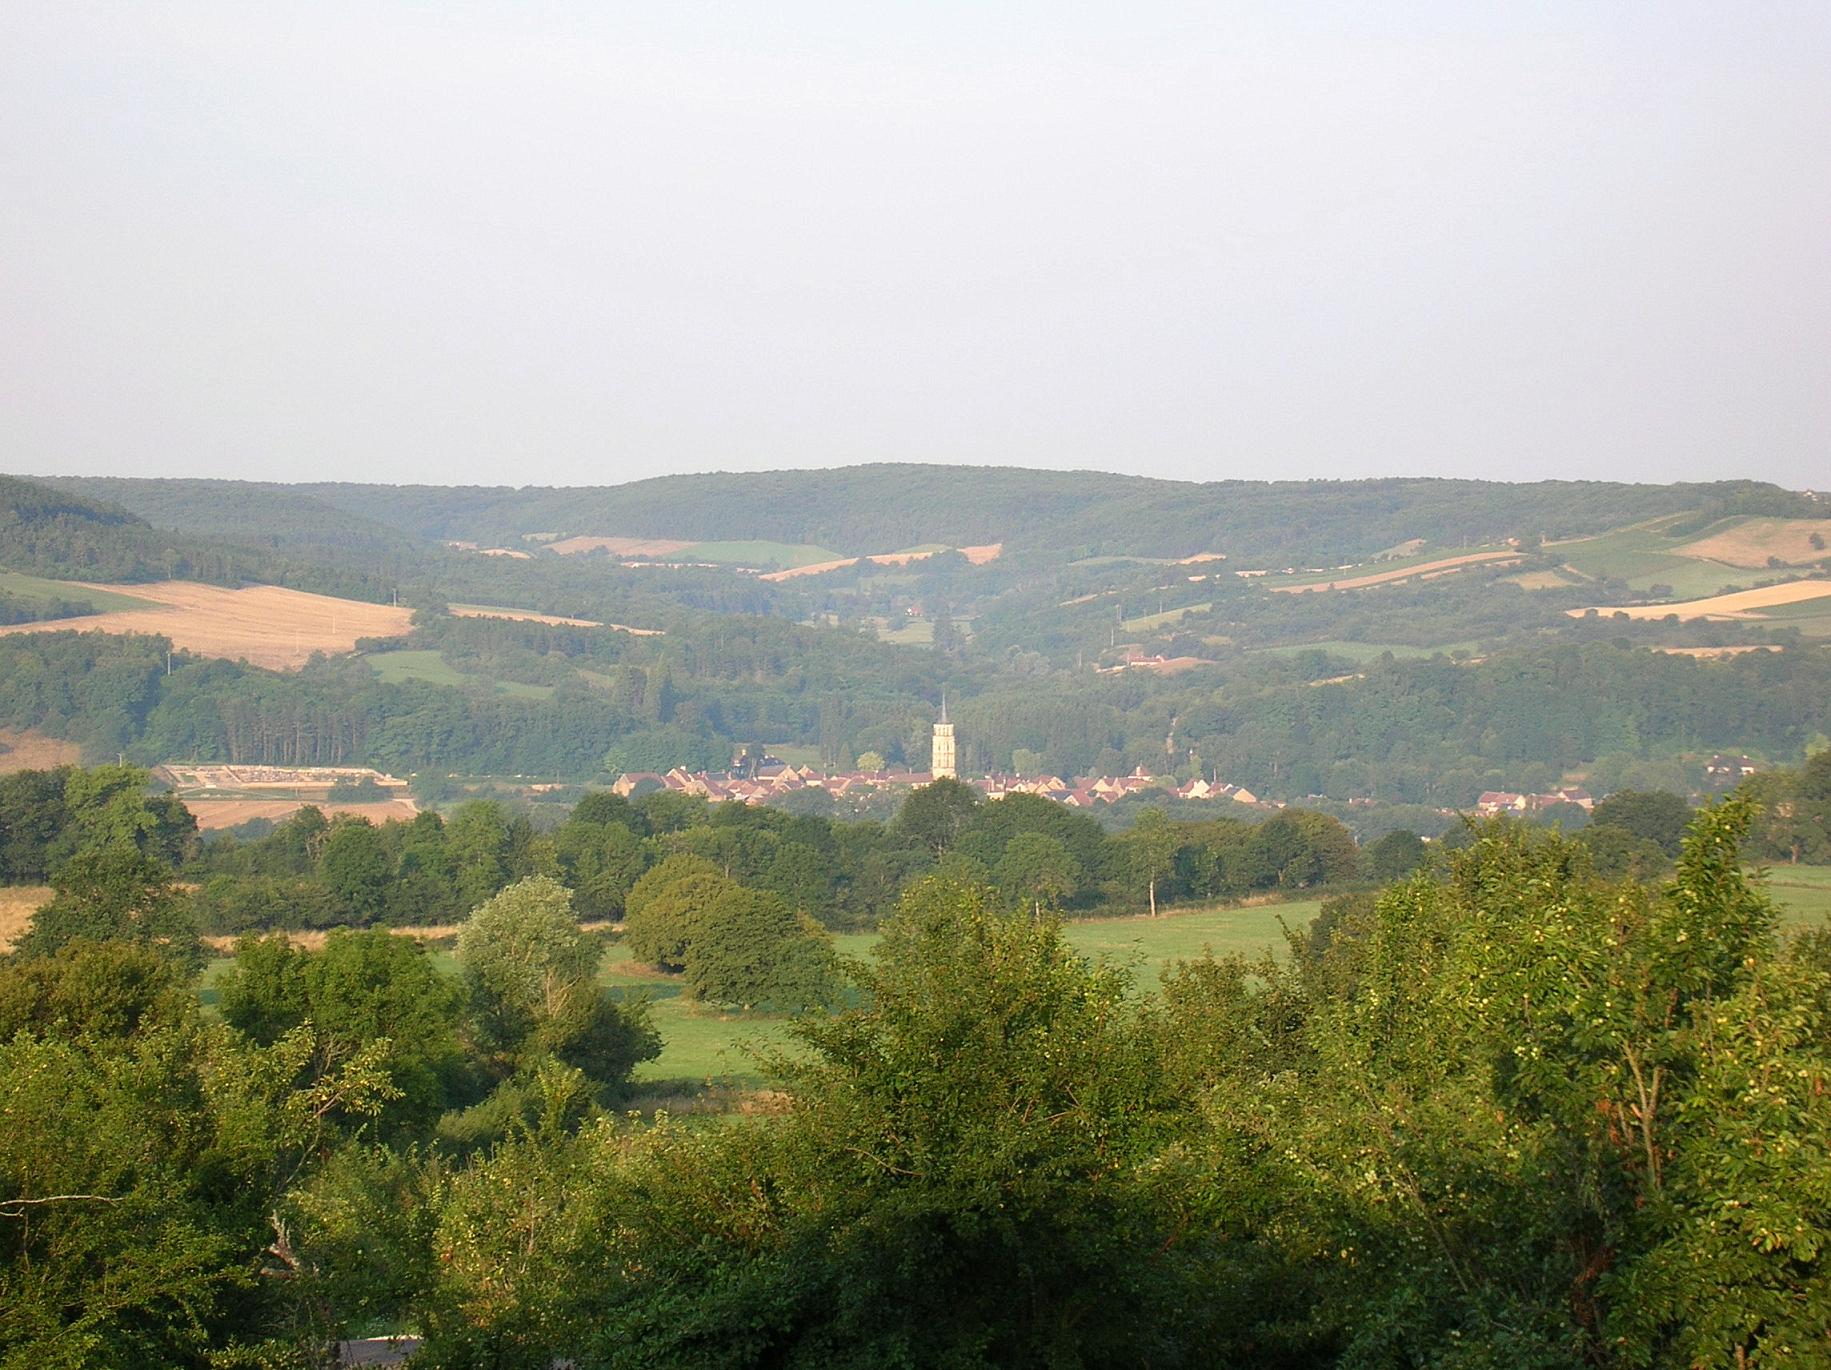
[[1644, 557], [1811, 616], [770, 556], [1802, 892], [794, 753], [99, 601], [916, 632], [395, 668], [1145, 623], [1363, 652], [700, 1046]]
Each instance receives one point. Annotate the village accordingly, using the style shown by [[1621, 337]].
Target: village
[[773, 778]]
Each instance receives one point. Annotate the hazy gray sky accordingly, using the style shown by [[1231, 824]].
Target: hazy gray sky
[[583, 242]]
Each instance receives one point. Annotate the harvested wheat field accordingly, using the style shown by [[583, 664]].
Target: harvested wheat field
[[212, 814], [1427, 570], [621, 547], [520, 616], [815, 568], [17, 905], [313, 939], [1752, 541], [978, 556], [1713, 653], [24, 750], [1741, 604], [263, 625]]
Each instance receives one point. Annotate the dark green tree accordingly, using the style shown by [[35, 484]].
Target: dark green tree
[[115, 893], [1654, 816]]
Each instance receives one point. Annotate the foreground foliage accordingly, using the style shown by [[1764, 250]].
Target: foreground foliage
[[1506, 1114]]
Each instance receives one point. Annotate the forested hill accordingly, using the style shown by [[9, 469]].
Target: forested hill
[[72, 533], [878, 508], [248, 513]]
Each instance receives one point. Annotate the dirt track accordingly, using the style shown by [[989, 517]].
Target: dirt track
[[1427, 569]]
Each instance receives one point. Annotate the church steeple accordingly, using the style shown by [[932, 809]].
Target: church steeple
[[941, 751]]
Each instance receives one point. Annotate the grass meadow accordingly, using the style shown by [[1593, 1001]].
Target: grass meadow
[[770, 556], [395, 668], [1363, 652], [1802, 892], [705, 1048], [99, 601], [707, 1052]]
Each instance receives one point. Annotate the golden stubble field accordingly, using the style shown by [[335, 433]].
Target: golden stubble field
[[17, 905], [1751, 542], [1740, 604], [978, 556], [520, 616], [263, 625], [212, 814], [23, 750]]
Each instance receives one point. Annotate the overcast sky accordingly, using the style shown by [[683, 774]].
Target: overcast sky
[[566, 243]]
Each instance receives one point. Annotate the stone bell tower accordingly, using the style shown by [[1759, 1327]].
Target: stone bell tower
[[941, 752]]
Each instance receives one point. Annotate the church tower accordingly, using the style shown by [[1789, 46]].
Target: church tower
[[941, 754]]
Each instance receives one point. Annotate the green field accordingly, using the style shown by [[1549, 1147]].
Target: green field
[[915, 632], [99, 601], [700, 1047], [395, 668], [1644, 557], [1803, 893], [1811, 616], [794, 753], [1145, 623], [1363, 652], [768, 556]]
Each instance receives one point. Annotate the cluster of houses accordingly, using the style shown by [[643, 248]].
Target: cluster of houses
[[1494, 802], [772, 779], [1720, 773]]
